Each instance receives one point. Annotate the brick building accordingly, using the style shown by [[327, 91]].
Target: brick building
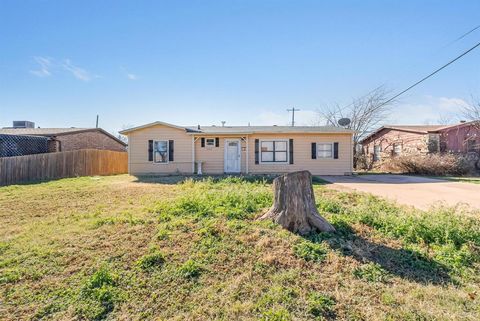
[[67, 139], [392, 140]]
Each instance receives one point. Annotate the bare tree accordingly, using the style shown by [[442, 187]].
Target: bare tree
[[471, 111], [365, 114]]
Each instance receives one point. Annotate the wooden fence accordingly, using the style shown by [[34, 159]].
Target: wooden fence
[[84, 162]]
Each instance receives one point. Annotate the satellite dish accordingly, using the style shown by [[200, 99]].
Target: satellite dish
[[344, 122]]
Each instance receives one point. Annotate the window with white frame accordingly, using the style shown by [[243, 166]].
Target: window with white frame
[[376, 152], [397, 148], [324, 150], [160, 151], [274, 151], [210, 142]]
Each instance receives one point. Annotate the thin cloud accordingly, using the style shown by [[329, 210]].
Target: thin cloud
[[76, 71], [44, 65], [128, 74]]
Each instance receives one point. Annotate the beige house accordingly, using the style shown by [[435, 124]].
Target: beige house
[[162, 148]]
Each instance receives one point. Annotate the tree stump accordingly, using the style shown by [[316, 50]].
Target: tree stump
[[294, 205]]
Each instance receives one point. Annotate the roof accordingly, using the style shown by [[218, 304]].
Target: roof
[[420, 129], [55, 132], [229, 130]]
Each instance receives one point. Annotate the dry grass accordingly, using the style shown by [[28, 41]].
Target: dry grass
[[76, 249]]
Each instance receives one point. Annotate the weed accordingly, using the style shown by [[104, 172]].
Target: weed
[[151, 261], [276, 314], [190, 269], [310, 251], [98, 295], [321, 305], [371, 272]]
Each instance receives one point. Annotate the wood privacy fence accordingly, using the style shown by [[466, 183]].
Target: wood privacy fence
[[84, 162]]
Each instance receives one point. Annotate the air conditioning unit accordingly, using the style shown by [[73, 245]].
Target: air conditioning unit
[[23, 124]]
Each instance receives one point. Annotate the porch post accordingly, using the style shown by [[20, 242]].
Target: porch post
[[193, 154], [247, 156]]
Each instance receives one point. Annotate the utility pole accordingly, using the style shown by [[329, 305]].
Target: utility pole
[[96, 124], [293, 110]]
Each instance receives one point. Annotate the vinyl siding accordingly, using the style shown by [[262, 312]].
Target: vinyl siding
[[138, 151], [302, 155], [213, 157]]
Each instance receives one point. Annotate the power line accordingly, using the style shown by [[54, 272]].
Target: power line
[[430, 75]]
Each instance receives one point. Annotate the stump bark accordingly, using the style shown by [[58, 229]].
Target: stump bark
[[294, 205]]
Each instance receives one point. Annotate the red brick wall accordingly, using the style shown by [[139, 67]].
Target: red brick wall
[[411, 143], [90, 139], [455, 139]]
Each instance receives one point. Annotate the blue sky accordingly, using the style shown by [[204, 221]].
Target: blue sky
[[189, 62]]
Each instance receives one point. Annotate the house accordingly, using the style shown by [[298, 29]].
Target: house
[[392, 140], [162, 148], [67, 139]]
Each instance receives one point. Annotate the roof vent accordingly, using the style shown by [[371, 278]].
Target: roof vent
[[463, 121], [23, 124], [198, 126]]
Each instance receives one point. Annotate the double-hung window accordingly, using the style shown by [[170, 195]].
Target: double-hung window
[[324, 150], [210, 142], [160, 151], [274, 151]]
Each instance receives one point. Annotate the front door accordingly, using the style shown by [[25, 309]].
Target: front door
[[232, 156]]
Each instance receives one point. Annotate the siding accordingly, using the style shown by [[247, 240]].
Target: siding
[[138, 151], [213, 157], [302, 155]]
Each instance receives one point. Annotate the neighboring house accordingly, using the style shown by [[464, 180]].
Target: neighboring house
[[392, 140], [162, 148], [67, 139]]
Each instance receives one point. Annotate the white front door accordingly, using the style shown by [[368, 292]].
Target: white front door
[[233, 156]]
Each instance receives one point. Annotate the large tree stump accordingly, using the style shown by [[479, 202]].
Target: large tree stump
[[294, 204]]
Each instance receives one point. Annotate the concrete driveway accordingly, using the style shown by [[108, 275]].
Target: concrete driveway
[[420, 192]]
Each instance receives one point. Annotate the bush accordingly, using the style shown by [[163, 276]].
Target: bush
[[310, 251], [432, 164]]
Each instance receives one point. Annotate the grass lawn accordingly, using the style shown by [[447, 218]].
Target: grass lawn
[[114, 248], [473, 180]]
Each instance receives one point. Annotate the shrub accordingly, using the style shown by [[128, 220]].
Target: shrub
[[371, 272], [432, 164], [190, 269], [321, 305], [310, 251], [151, 260]]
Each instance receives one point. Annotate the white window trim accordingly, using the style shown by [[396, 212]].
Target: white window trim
[[208, 145], [331, 150], [168, 151], [286, 140]]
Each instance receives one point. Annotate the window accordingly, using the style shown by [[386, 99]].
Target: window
[[324, 150], [397, 148], [376, 152], [471, 145], [160, 151], [275, 151], [210, 141]]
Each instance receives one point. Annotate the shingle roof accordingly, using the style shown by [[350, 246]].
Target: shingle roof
[[41, 131], [415, 128], [266, 129], [218, 130], [54, 132]]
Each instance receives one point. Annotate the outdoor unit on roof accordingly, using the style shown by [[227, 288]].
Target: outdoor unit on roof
[[23, 124]]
